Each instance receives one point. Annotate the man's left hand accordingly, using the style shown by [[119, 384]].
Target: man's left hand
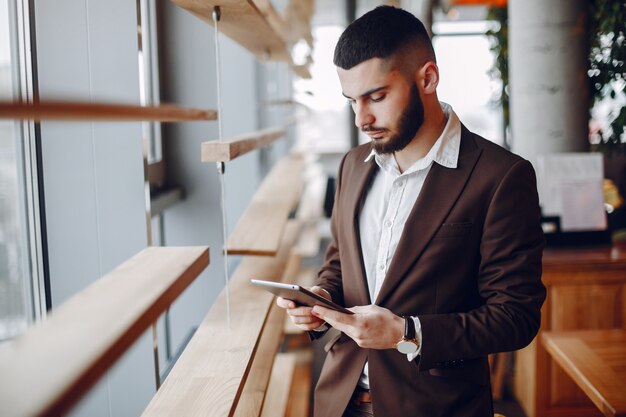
[[370, 326]]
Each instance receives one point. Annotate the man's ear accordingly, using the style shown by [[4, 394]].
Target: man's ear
[[428, 77]]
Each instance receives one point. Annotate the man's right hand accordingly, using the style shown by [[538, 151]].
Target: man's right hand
[[301, 315]]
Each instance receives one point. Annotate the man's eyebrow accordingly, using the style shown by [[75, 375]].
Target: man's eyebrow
[[367, 93]]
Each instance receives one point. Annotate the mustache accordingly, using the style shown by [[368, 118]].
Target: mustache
[[370, 128]]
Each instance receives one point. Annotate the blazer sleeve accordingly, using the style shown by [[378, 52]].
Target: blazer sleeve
[[508, 279]]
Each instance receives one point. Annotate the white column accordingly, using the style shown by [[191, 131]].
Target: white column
[[548, 78], [422, 9]]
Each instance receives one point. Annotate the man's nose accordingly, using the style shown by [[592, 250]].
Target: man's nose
[[362, 116]]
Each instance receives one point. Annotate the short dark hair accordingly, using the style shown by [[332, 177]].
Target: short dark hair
[[380, 33]]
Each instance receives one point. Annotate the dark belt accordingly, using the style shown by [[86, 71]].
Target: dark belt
[[361, 396]]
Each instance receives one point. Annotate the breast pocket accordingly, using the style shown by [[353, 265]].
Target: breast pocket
[[471, 370], [451, 230]]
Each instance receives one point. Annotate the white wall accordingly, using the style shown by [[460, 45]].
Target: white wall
[[93, 172]]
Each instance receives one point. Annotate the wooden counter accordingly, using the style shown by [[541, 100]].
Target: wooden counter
[[586, 289], [596, 361]]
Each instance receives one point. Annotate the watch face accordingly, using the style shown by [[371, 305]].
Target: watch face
[[406, 347]]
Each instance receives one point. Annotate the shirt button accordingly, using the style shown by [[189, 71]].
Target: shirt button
[[381, 267], [388, 223]]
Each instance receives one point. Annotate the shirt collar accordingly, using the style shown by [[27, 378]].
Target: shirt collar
[[445, 151]]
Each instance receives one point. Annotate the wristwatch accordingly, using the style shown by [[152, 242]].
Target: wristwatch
[[408, 343]]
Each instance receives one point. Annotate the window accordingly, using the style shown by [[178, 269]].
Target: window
[[464, 59], [21, 287]]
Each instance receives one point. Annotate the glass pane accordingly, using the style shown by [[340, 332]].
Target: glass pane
[[464, 62], [15, 299]]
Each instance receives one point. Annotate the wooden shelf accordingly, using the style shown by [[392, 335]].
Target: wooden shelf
[[260, 228], [279, 386], [302, 71], [254, 24], [229, 149], [309, 243], [46, 370], [300, 392], [210, 375], [253, 394], [57, 110]]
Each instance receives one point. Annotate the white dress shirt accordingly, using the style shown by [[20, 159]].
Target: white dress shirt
[[389, 201]]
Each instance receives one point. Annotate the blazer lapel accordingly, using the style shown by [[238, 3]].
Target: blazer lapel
[[362, 178], [437, 197]]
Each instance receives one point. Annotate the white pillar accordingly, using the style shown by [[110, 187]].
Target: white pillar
[[548, 76], [422, 9]]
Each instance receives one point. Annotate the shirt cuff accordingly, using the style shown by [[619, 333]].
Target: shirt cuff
[[322, 328], [418, 336]]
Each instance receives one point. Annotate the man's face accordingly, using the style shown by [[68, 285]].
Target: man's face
[[387, 106]]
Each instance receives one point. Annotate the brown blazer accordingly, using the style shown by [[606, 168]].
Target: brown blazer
[[468, 265]]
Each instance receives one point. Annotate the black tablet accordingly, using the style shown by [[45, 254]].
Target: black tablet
[[299, 295]]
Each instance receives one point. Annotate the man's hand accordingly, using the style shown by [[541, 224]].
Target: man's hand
[[300, 315], [371, 326]]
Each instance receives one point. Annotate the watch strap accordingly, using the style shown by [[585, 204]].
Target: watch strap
[[409, 328]]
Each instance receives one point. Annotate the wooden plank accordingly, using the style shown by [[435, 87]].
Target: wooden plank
[[251, 401], [302, 71], [280, 385], [253, 395], [300, 394], [210, 375], [311, 208], [57, 110], [585, 259], [261, 226], [244, 23], [589, 358], [45, 371], [229, 149], [275, 20], [309, 243]]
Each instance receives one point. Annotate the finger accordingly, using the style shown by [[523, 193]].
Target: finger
[[339, 321], [300, 311], [306, 320], [284, 303], [309, 327]]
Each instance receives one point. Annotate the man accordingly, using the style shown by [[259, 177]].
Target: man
[[436, 241]]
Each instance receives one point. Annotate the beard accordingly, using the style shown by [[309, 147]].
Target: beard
[[410, 121]]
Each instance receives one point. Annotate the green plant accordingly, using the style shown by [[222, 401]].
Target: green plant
[[607, 55], [606, 74]]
